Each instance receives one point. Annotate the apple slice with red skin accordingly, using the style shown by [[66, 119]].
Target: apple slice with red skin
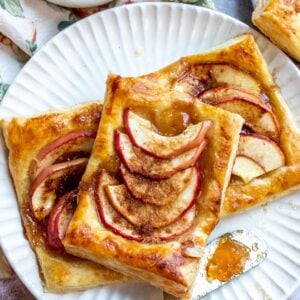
[[224, 73], [201, 77], [247, 168], [214, 95], [260, 119], [138, 162], [157, 192], [59, 219], [53, 182], [143, 136], [76, 144], [262, 150], [153, 216], [115, 222], [250, 106]]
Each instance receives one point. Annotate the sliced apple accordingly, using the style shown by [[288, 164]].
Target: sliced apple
[[141, 163], [178, 228], [109, 217], [59, 220], [115, 222], [158, 192], [201, 77], [232, 75], [53, 182], [262, 150], [153, 216], [71, 146], [261, 120], [193, 84], [142, 135], [216, 94], [250, 106], [247, 168]]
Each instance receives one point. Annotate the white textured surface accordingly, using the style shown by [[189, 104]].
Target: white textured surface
[[132, 40]]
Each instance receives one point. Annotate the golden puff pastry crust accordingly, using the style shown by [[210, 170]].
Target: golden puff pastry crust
[[280, 21], [162, 264], [243, 54], [24, 138]]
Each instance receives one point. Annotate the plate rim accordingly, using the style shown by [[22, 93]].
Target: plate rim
[[58, 36], [200, 8]]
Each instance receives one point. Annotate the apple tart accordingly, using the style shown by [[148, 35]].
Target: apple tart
[[235, 77], [151, 193], [121, 223], [280, 21], [47, 157]]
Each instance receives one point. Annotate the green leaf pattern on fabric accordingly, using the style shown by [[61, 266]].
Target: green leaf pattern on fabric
[[13, 7], [31, 45], [3, 89], [64, 24]]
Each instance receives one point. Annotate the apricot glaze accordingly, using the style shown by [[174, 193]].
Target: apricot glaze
[[228, 260]]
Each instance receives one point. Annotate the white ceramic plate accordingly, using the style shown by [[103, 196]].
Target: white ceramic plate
[[79, 3], [132, 40]]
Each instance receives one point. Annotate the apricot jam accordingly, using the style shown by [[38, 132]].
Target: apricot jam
[[228, 260], [170, 121]]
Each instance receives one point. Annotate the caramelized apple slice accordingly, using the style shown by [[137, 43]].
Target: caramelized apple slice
[[59, 220], [232, 75], [116, 223], [152, 216], [76, 144], [53, 182], [247, 168], [258, 118], [109, 217], [250, 106], [141, 163], [201, 77], [214, 95], [142, 135], [262, 150], [158, 192]]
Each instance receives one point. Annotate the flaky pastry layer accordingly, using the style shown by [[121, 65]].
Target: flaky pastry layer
[[24, 138], [162, 264], [280, 21]]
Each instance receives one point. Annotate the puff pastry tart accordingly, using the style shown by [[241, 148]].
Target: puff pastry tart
[[280, 21], [152, 190], [142, 208], [47, 157], [235, 77]]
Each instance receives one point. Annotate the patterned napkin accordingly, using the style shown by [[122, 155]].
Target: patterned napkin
[[25, 26]]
